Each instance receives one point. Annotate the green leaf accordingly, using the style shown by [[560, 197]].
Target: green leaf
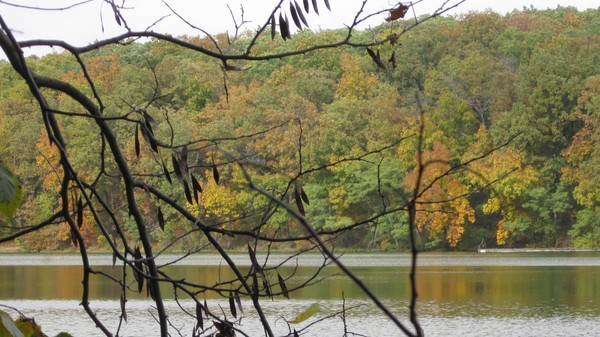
[[8, 327], [11, 193], [28, 327], [306, 314]]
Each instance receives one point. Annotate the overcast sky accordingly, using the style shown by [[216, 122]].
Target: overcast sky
[[85, 23]]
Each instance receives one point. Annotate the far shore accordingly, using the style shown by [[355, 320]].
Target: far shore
[[536, 250]]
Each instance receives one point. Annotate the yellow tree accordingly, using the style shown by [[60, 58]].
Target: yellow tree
[[511, 178], [442, 208]]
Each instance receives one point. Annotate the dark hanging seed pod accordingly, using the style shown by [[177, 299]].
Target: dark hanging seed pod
[[295, 16], [300, 14], [216, 175], [284, 27], [299, 204], [315, 7], [137, 141], [197, 189], [186, 190], [283, 287], [166, 173], [161, 218], [232, 306], [304, 196], [176, 167], [238, 301], [79, 212], [273, 24]]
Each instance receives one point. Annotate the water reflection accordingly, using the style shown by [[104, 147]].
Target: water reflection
[[467, 294]]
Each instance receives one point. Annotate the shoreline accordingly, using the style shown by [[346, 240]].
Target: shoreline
[[536, 250]]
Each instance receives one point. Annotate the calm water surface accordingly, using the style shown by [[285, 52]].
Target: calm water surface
[[461, 294]]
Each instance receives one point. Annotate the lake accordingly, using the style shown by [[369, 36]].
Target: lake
[[460, 294]]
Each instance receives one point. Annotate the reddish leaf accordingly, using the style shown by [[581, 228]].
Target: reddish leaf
[[397, 13]]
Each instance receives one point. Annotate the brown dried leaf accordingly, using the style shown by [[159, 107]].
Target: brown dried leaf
[[376, 58], [397, 13], [392, 60]]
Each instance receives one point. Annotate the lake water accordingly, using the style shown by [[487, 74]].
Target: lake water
[[460, 294]]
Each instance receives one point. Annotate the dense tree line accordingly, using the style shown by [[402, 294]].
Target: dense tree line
[[527, 83]]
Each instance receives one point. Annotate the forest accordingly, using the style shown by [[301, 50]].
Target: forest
[[344, 125]]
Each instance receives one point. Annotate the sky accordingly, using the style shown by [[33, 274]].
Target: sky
[[93, 20]]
